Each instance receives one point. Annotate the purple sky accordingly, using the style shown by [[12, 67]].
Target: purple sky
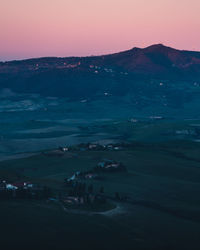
[[36, 28]]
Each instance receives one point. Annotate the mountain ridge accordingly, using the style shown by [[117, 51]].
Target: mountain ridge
[[158, 45], [154, 59], [136, 71]]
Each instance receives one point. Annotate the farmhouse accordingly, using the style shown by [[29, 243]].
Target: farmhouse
[[64, 149], [92, 146], [91, 176], [110, 165]]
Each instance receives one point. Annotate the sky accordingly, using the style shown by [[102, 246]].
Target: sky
[[37, 28]]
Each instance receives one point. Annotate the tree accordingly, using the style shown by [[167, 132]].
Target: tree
[[117, 196], [90, 189], [101, 190]]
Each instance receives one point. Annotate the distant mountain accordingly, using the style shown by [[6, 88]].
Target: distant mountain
[[156, 75], [153, 60], [157, 60]]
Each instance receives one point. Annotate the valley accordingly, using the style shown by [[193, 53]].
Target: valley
[[161, 185], [101, 152]]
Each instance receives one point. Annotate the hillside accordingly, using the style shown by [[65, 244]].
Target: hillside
[[156, 61], [156, 76]]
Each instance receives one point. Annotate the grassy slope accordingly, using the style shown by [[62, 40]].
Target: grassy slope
[[165, 175]]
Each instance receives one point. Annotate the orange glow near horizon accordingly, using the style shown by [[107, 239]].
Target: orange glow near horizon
[[37, 28]]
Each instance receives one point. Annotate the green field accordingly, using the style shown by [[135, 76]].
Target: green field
[[162, 182]]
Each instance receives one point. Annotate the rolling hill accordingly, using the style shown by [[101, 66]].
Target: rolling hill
[[156, 76]]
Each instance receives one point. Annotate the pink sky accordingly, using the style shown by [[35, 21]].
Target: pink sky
[[35, 28]]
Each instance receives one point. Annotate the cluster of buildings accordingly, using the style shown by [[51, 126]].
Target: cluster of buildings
[[104, 147], [81, 194], [91, 146], [22, 190], [110, 166], [104, 166], [86, 175], [107, 70], [4, 185], [58, 65]]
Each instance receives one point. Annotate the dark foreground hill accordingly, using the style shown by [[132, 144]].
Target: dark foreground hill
[[162, 184]]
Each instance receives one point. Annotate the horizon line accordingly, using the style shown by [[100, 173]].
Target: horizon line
[[62, 57]]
